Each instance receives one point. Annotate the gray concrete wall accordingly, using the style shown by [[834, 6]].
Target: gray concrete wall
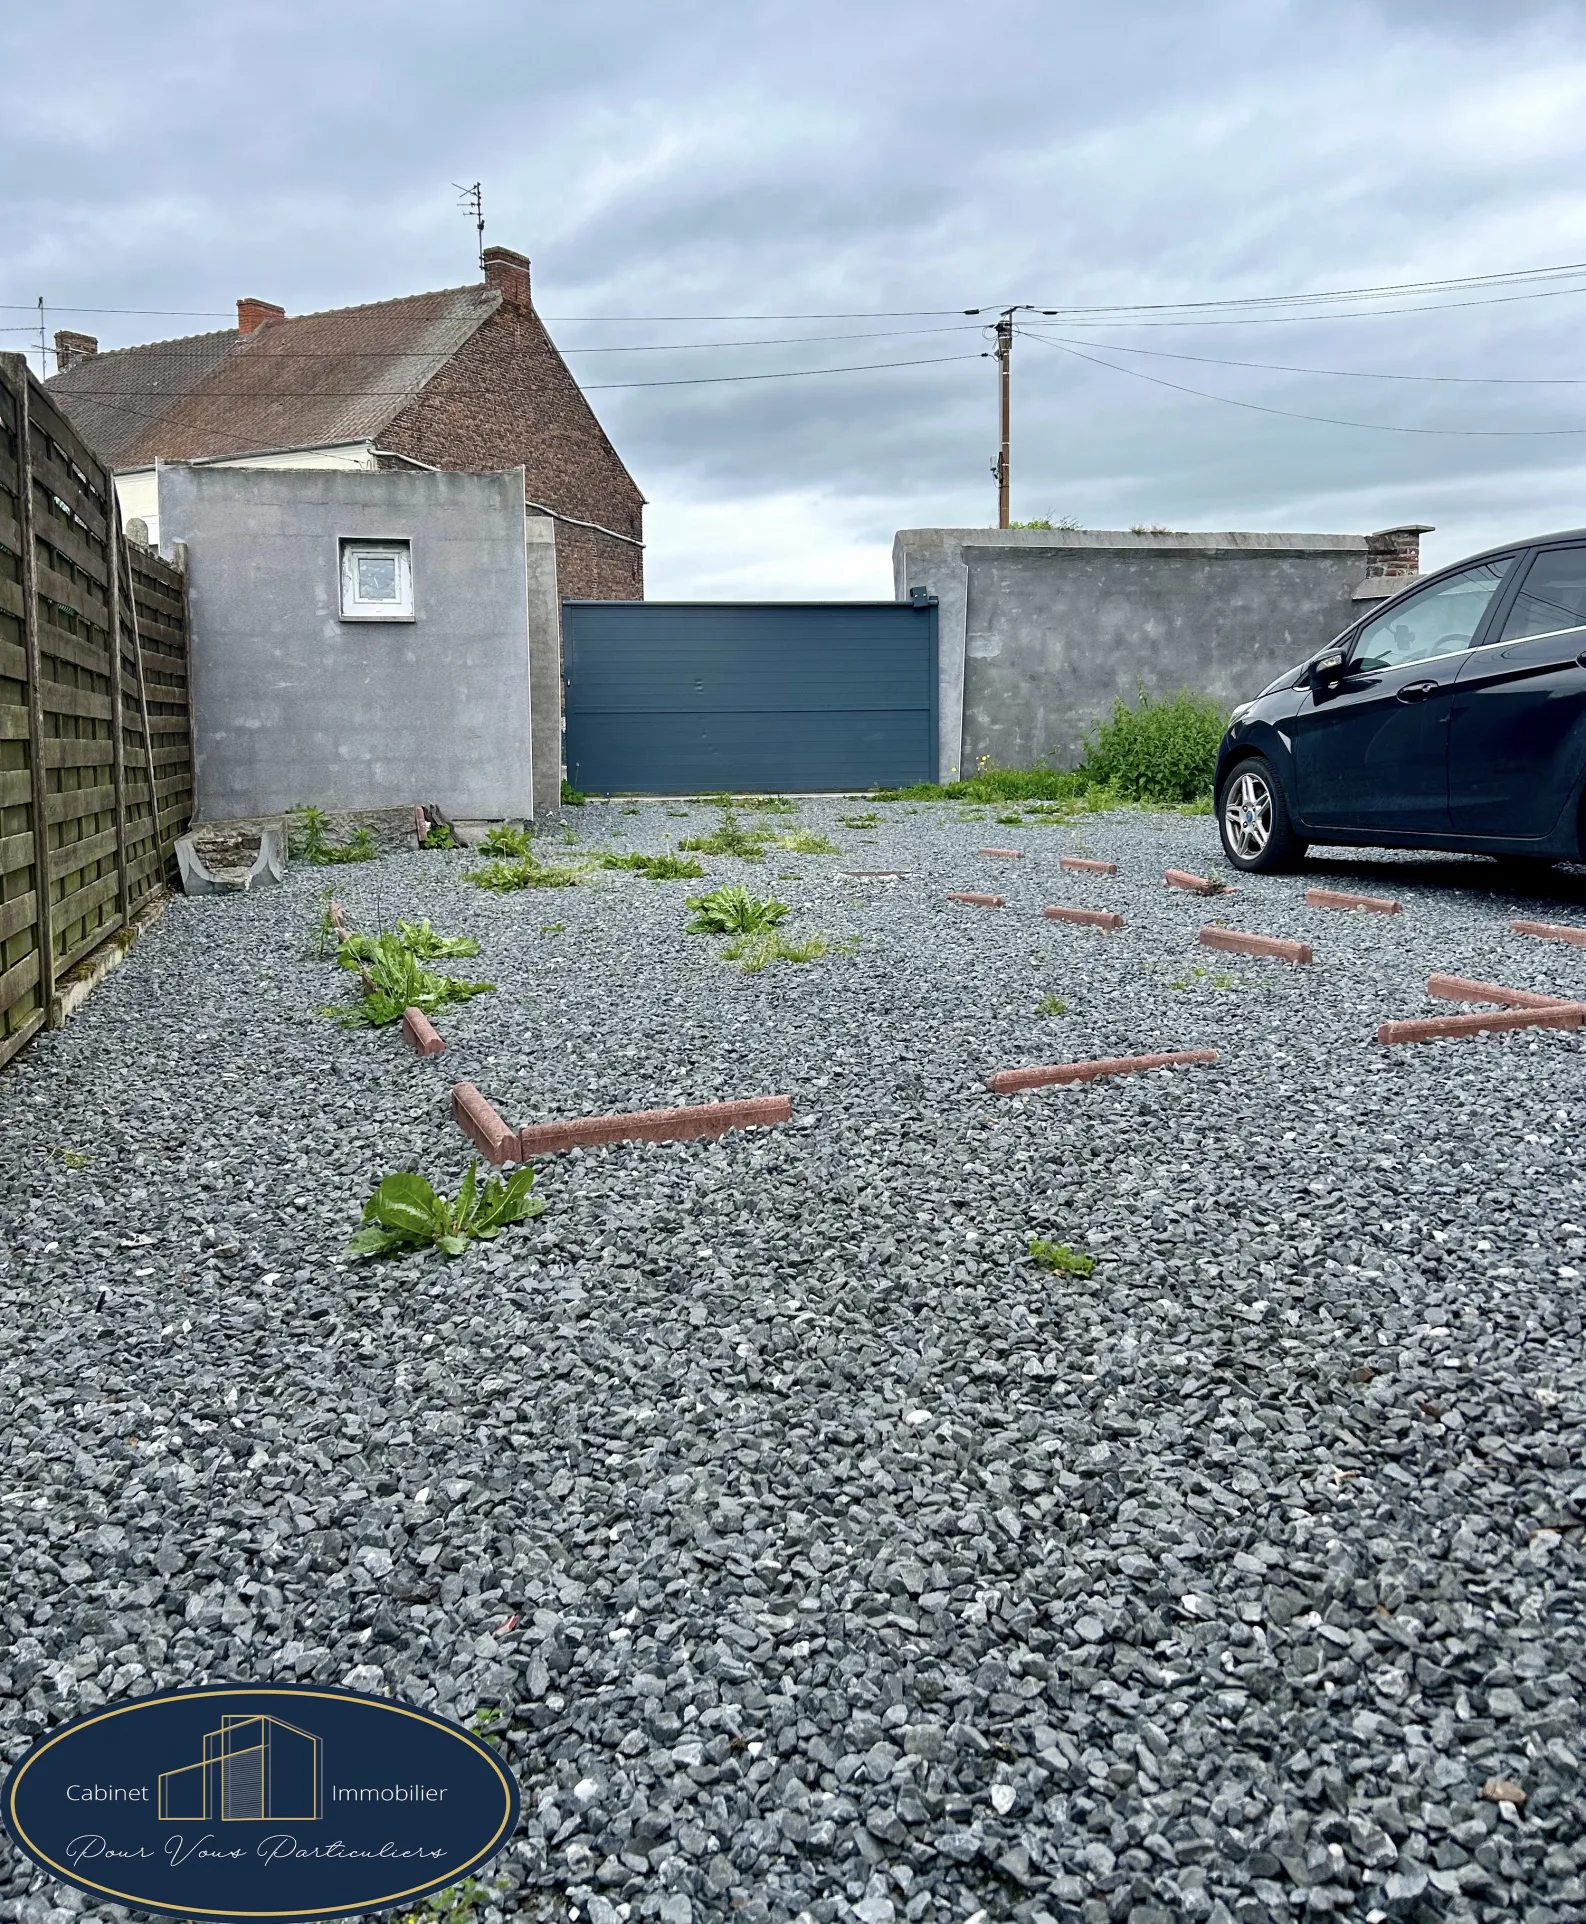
[[294, 705], [1041, 631]]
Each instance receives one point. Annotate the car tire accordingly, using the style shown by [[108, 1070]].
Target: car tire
[[1253, 820]]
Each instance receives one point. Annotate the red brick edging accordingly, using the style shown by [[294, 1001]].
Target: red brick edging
[[1007, 1082], [1459, 988], [481, 1125], [1552, 932], [1236, 942], [1562, 1015], [653, 1125], [1083, 865], [1178, 878], [1008, 854], [1092, 918], [421, 1032], [977, 901], [1336, 899]]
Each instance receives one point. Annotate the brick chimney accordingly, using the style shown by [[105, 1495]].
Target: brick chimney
[[1393, 555], [71, 349], [510, 273], [252, 314]]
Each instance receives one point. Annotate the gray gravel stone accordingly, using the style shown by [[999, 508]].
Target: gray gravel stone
[[824, 1557]]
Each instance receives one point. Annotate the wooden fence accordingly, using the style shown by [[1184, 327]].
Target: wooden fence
[[96, 754]]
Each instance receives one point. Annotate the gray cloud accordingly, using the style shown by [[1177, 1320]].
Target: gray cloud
[[769, 159]]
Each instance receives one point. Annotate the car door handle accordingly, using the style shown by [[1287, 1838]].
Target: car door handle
[[1418, 690]]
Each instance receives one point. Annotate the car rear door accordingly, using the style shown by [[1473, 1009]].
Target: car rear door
[[1517, 734], [1371, 749]]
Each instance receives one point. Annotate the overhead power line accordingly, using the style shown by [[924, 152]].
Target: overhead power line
[[1292, 414], [1342, 373]]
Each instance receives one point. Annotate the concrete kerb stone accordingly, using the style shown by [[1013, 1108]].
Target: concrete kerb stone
[[1083, 865], [1009, 1082], [1562, 1015], [421, 1032], [1108, 919], [653, 1125], [1237, 942], [1460, 988], [1006, 854], [1552, 932], [976, 901], [1178, 878], [482, 1126], [1338, 899]]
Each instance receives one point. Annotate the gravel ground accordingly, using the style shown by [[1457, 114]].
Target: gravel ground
[[862, 1569]]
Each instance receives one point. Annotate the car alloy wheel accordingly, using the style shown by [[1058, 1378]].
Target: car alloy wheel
[[1247, 816]]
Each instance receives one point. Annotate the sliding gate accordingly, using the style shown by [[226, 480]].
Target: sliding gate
[[678, 698]]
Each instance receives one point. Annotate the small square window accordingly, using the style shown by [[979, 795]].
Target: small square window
[[376, 581]]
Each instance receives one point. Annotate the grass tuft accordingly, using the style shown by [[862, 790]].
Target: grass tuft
[[524, 873], [756, 952], [730, 837], [656, 868]]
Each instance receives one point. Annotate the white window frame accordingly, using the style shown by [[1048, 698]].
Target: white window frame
[[353, 606]]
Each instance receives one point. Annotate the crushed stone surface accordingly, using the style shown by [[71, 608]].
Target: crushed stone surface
[[823, 1556]]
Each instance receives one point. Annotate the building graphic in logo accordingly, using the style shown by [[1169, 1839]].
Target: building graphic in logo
[[254, 1770]]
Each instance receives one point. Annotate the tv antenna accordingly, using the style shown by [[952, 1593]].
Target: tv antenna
[[473, 202]]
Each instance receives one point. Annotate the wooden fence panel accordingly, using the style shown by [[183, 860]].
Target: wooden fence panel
[[96, 764]]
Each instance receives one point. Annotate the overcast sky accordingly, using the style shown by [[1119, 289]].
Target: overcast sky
[[892, 162]]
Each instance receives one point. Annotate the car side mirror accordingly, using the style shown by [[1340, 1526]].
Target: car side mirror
[[1327, 670]]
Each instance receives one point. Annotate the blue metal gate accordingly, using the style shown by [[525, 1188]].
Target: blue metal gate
[[672, 698]]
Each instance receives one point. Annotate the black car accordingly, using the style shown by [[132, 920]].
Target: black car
[[1452, 716]]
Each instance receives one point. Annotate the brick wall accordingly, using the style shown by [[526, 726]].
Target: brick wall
[[507, 397]]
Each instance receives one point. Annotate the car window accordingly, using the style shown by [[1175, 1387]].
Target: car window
[[1439, 620], [1552, 596]]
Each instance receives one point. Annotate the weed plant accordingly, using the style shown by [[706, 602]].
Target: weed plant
[[418, 938], [526, 872], [406, 1213], [756, 952], [394, 979], [805, 841], [656, 868], [871, 820], [440, 836], [1060, 1258], [506, 841], [572, 797], [733, 911], [1050, 1004], [730, 837], [313, 844]]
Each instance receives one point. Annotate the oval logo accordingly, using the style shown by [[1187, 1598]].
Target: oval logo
[[261, 1800]]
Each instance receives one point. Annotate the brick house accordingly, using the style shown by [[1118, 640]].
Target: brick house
[[465, 379]]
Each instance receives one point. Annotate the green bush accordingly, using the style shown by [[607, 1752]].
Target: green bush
[[1161, 752]]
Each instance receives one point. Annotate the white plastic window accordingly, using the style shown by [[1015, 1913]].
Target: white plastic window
[[376, 581]]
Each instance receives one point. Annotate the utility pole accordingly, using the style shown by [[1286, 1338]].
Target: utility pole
[[1003, 331], [1002, 466]]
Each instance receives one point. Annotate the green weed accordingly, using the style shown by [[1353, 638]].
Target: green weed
[[313, 844], [406, 1213], [1157, 752], [572, 797], [756, 952], [418, 938], [733, 911], [394, 979], [1059, 1257], [505, 840], [730, 837], [439, 836], [1209, 978], [860, 821], [527, 872], [1050, 1004], [658, 868], [76, 1158], [1010, 821], [552, 928], [769, 804], [805, 841]]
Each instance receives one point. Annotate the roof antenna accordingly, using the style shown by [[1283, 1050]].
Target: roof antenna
[[473, 202]]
